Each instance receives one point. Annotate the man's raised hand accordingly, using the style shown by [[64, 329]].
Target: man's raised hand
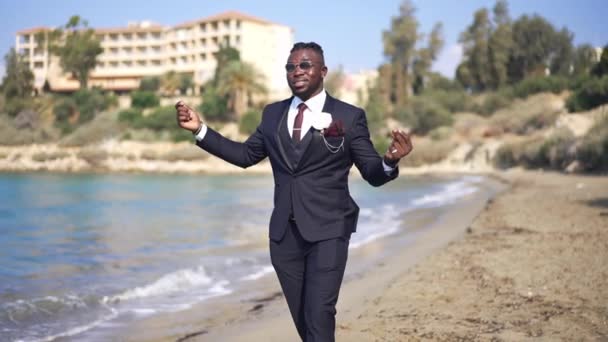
[[400, 147], [187, 118]]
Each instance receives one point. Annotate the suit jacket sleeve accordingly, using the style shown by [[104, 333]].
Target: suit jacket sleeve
[[365, 156], [245, 154]]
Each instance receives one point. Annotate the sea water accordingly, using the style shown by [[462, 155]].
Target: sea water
[[81, 251]]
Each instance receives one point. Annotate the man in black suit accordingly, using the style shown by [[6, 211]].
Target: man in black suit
[[312, 141]]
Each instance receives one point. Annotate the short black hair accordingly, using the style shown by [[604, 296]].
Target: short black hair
[[310, 45]]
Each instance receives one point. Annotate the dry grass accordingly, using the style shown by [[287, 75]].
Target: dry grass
[[48, 156], [428, 151], [92, 155], [104, 126], [187, 153], [526, 116]]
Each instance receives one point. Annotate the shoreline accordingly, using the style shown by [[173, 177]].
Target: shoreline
[[262, 315], [529, 263]]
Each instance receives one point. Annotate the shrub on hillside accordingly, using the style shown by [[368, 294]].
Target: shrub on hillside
[[428, 152], [525, 116], [453, 101], [250, 121], [150, 83], [161, 118], [90, 102], [144, 99], [553, 152], [592, 93], [214, 106], [131, 117], [423, 115], [493, 102], [593, 149], [535, 85]]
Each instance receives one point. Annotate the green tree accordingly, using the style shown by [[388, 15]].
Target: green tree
[[561, 56], [584, 59], [601, 68], [76, 46], [150, 83], [224, 56], [214, 106], [144, 99], [170, 83], [18, 79], [500, 44], [239, 81], [406, 61], [475, 70], [533, 44], [425, 57], [17, 84]]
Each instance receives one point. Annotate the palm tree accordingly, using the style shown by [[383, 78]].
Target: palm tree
[[240, 82], [170, 82]]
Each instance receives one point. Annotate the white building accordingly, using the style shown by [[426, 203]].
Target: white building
[[147, 49]]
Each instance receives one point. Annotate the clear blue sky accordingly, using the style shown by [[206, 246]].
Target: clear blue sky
[[349, 31]]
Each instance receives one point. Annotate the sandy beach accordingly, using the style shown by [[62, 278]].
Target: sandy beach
[[528, 264]]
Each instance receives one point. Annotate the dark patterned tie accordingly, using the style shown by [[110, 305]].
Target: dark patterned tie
[[297, 124]]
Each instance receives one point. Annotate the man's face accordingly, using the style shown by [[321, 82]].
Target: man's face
[[305, 82]]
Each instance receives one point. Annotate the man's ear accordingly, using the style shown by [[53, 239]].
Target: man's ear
[[324, 71]]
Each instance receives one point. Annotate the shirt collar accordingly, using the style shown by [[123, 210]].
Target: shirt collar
[[314, 104]]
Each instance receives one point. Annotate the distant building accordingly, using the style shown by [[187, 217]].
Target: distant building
[[598, 53], [147, 49], [353, 88]]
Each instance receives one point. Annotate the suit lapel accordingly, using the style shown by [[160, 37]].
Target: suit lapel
[[278, 139], [315, 135]]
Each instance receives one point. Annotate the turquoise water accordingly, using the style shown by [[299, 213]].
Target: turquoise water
[[81, 251]]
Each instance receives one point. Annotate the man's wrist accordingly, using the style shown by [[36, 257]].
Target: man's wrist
[[198, 130], [391, 163]]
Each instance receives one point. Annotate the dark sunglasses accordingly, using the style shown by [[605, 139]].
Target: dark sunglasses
[[304, 66]]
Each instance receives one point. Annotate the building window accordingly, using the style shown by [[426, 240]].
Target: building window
[[100, 65], [38, 65], [127, 63], [237, 39], [156, 35], [141, 49], [141, 63], [24, 39], [226, 40], [113, 37], [127, 49], [127, 36], [203, 56], [142, 35], [214, 26], [238, 24], [156, 49], [227, 24], [114, 51], [156, 62], [173, 60], [203, 42], [203, 27], [114, 64]]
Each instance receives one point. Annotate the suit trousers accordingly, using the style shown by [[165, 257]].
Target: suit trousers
[[310, 274]]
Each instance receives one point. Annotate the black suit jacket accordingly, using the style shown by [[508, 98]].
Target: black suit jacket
[[314, 189]]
